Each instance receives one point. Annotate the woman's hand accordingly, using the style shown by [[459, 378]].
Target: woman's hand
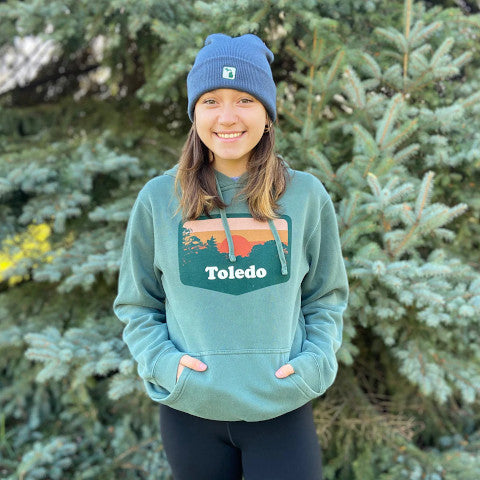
[[190, 362], [284, 371]]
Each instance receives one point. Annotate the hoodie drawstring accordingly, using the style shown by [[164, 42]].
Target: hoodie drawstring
[[226, 227], [228, 233], [278, 243]]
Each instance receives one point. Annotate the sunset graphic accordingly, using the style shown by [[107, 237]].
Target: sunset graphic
[[203, 253], [246, 233]]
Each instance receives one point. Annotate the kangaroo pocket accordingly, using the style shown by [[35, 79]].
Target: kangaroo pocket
[[237, 386]]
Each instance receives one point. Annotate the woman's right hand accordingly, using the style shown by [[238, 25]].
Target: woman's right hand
[[190, 362]]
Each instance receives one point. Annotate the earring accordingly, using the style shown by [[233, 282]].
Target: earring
[[267, 128]]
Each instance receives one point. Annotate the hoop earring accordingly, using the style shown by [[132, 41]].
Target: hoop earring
[[267, 127]]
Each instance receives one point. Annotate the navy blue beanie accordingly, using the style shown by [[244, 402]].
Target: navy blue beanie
[[241, 63]]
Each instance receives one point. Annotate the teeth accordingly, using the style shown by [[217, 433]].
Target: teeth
[[229, 135]]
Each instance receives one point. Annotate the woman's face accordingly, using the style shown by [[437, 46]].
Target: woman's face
[[230, 123]]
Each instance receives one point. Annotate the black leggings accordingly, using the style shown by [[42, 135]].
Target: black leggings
[[282, 448]]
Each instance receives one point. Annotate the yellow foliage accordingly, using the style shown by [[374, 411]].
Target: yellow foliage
[[32, 244]]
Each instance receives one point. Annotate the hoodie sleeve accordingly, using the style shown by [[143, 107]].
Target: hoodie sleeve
[[324, 299], [140, 303]]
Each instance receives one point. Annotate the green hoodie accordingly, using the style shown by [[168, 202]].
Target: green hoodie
[[243, 296]]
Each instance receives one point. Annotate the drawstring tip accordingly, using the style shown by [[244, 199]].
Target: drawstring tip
[[284, 270], [232, 257]]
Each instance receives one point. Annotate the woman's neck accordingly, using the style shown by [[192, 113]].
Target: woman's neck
[[231, 168]]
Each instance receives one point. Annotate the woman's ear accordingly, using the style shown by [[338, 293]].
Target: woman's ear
[[268, 124]]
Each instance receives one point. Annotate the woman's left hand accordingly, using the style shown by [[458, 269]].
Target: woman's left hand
[[284, 371]]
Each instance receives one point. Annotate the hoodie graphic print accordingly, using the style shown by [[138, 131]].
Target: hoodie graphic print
[[203, 253]]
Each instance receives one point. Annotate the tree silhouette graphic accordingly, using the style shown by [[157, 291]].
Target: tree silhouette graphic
[[191, 245], [211, 243]]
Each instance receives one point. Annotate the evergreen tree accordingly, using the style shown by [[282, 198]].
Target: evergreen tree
[[378, 99]]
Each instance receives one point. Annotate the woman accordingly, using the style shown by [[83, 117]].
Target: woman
[[232, 284]]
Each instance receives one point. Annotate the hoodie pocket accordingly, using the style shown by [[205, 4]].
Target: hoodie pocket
[[162, 395], [239, 386]]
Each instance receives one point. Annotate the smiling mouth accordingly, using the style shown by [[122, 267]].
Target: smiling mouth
[[229, 135]]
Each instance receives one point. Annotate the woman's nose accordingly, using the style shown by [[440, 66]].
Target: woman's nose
[[227, 115]]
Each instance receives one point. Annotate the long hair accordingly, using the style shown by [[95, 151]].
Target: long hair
[[266, 179]]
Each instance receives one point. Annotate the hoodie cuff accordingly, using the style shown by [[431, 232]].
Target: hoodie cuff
[[305, 365], [165, 369]]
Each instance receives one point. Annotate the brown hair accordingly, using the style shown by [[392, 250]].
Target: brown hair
[[266, 181]]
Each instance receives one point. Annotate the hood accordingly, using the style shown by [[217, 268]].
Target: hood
[[223, 181]]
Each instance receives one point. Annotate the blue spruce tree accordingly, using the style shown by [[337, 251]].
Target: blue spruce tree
[[378, 99]]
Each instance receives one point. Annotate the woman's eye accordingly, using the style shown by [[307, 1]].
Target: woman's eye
[[209, 101], [246, 100]]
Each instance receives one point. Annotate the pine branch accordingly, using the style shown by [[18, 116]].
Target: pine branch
[[329, 79], [334, 68], [386, 124], [374, 68], [325, 166], [354, 87], [462, 60], [425, 33], [471, 100], [311, 75], [291, 116], [426, 190], [394, 37], [407, 21], [441, 52], [406, 130], [406, 153], [299, 55], [374, 185], [367, 143]]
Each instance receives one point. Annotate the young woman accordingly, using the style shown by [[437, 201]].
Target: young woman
[[232, 284]]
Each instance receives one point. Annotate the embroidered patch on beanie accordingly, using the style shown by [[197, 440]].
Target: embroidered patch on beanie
[[229, 72]]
